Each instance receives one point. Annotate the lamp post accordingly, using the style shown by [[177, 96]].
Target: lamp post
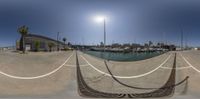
[[58, 41], [181, 38], [104, 22], [100, 19]]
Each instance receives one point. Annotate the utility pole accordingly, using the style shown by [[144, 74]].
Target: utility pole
[[58, 41], [186, 41], [104, 34], [164, 39], [181, 30], [181, 39]]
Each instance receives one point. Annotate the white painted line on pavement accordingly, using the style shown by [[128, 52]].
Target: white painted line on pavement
[[127, 77], [36, 77], [178, 68], [75, 65], [189, 63]]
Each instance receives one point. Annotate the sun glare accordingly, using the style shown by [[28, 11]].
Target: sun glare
[[99, 19]]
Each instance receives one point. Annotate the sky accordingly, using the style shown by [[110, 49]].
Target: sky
[[127, 21]]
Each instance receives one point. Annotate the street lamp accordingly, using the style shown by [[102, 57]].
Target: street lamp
[[58, 41], [100, 19]]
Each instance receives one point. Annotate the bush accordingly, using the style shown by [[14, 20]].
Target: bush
[[37, 45]]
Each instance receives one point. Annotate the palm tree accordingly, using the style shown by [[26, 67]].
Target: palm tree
[[23, 31], [64, 40], [50, 44]]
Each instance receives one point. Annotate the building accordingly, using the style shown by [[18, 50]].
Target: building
[[35, 42], [169, 47], [196, 48]]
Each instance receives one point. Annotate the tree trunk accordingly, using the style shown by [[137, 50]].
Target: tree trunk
[[64, 45], [50, 49], [23, 43]]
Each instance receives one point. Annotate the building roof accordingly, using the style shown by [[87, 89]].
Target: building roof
[[43, 37]]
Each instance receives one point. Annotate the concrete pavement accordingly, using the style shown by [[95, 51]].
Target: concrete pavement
[[62, 83]]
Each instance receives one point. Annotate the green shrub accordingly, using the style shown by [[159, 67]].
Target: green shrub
[[37, 45]]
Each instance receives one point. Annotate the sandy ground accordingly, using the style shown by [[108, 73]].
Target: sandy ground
[[62, 83]]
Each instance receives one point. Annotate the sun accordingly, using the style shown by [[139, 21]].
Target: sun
[[99, 19]]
